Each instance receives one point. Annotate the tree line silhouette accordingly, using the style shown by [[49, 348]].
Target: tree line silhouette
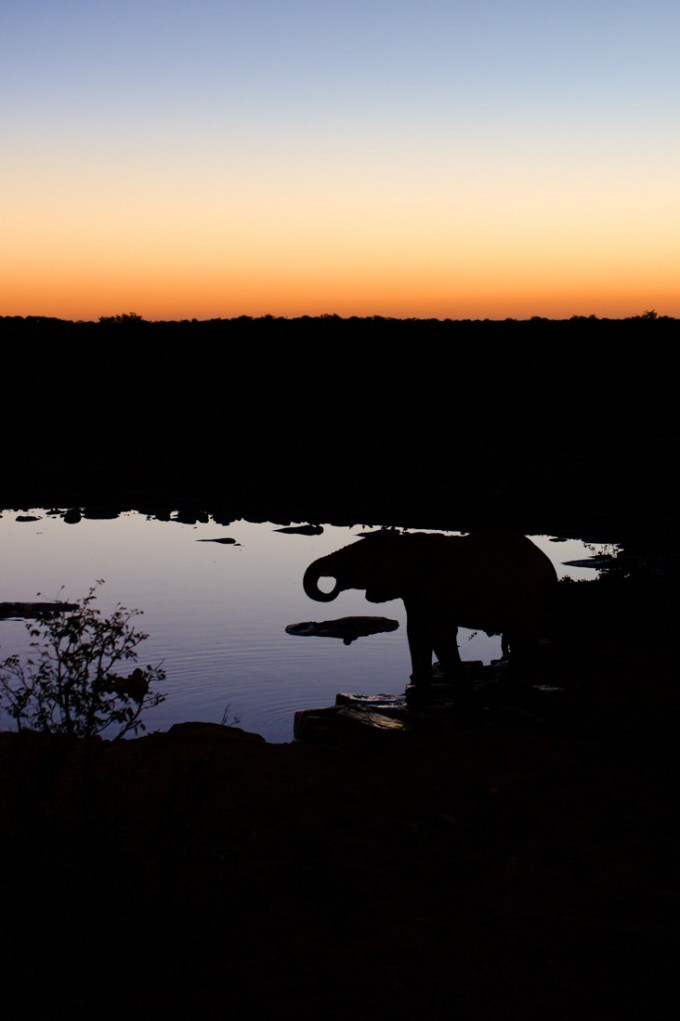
[[418, 421]]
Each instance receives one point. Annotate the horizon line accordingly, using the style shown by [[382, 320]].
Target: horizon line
[[133, 318]]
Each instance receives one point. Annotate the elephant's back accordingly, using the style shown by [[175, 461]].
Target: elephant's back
[[496, 548], [508, 582]]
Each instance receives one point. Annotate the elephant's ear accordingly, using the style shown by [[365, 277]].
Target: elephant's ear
[[389, 577]]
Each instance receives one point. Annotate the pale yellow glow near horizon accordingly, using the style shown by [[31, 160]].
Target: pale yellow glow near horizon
[[461, 241]]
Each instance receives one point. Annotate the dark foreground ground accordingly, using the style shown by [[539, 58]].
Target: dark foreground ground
[[515, 860], [518, 859]]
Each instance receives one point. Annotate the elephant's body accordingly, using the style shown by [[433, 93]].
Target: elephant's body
[[492, 580]]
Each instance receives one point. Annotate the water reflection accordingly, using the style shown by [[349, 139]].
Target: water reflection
[[216, 612]]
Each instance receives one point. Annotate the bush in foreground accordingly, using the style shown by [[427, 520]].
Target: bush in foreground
[[71, 684]]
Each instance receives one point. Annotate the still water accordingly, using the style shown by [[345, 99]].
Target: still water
[[216, 614]]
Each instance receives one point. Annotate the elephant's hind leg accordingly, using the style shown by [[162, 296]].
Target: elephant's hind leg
[[520, 652]]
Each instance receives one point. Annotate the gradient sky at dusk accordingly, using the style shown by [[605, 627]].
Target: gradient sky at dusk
[[462, 158]]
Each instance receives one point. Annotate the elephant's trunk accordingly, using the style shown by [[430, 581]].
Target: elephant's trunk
[[310, 583]]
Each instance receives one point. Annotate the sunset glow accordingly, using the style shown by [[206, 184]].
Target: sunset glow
[[464, 160]]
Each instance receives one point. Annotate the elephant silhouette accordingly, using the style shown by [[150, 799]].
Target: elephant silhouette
[[492, 580]]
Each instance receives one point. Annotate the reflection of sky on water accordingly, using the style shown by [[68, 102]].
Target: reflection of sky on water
[[216, 614]]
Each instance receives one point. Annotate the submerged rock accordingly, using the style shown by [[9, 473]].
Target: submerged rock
[[342, 723], [301, 529], [33, 611], [347, 628], [102, 512]]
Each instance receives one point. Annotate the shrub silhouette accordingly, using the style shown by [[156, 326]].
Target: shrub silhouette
[[71, 685]]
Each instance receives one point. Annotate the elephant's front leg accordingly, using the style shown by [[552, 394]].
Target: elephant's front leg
[[445, 644], [420, 645], [447, 652]]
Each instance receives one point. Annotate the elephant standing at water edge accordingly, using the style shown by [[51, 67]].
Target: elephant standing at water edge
[[492, 580]]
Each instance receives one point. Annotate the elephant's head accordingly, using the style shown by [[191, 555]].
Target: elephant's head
[[361, 565]]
